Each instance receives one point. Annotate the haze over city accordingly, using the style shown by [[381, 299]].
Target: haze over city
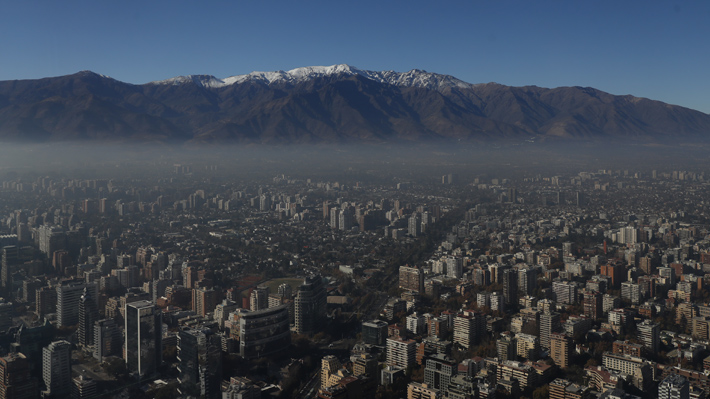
[[323, 200]]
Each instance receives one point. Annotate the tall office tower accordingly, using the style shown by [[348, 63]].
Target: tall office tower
[[259, 298], [204, 300], [650, 334], [68, 299], [56, 369], [507, 347], [510, 287], [310, 305], [143, 344], [527, 280], [15, 379], [561, 349], [549, 324], [438, 371], [88, 315], [593, 305], [200, 363], [674, 387], [84, 388], [107, 339], [374, 332], [401, 353], [411, 278]]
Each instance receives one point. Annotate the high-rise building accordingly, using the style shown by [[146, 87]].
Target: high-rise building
[[204, 300], [345, 219], [593, 304], [454, 267], [565, 292], [51, 238], [88, 315], [610, 302], [374, 332], [497, 302], [510, 287], [56, 369], [411, 278], [674, 387], [507, 347], [15, 379], [401, 353], [527, 280], [367, 365], [285, 291], [549, 324], [561, 349], [528, 346], [438, 371], [68, 298], [469, 328], [329, 368], [264, 332], [12, 258], [143, 345], [259, 298], [631, 292], [5, 315], [615, 271], [650, 334], [310, 305], [200, 363], [414, 224], [107, 339], [84, 388], [45, 301]]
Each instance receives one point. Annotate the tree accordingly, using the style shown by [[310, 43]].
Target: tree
[[542, 392]]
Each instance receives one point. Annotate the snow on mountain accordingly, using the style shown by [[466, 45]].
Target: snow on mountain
[[413, 78]]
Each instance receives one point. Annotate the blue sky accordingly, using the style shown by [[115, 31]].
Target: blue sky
[[654, 49]]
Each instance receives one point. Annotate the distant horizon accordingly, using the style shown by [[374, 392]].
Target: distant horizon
[[654, 50], [357, 67]]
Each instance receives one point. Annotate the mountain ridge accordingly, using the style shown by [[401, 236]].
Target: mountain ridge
[[331, 104]]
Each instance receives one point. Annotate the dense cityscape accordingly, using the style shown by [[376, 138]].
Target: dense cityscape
[[191, 279]]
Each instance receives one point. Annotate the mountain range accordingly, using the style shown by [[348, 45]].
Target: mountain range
[[335, 104]]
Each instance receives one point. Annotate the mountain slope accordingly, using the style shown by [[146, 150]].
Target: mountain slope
[[327, 104]]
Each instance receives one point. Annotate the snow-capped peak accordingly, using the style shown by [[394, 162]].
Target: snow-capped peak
[[413, 78]]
